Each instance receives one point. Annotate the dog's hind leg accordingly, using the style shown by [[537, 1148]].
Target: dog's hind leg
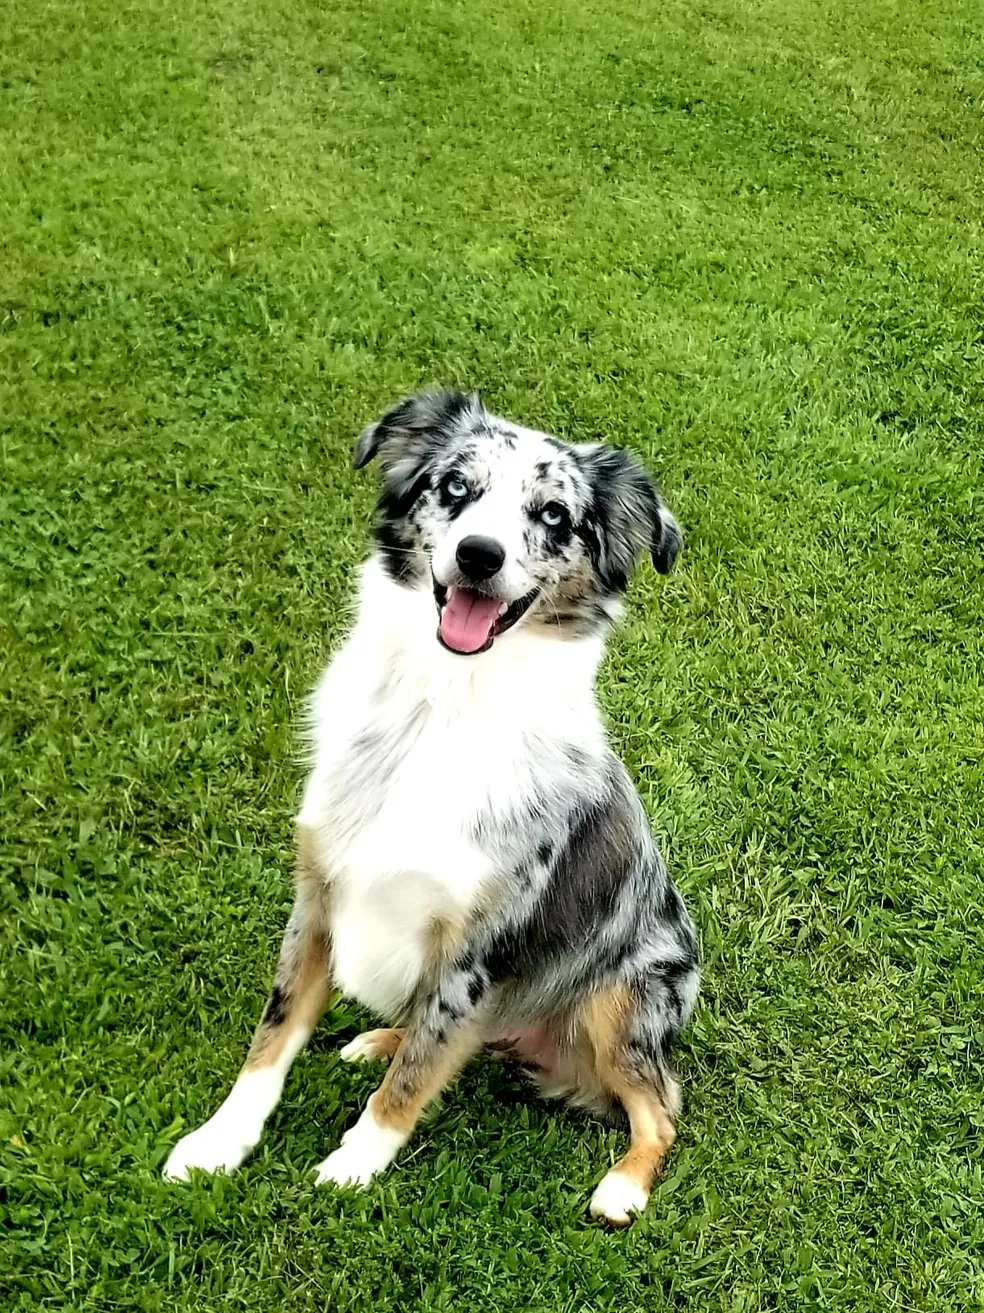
[[373, 1045], [443, 1031], [292, 1011], [624, 1191], [630, 1032]]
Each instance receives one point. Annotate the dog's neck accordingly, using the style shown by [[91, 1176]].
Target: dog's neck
[[396, 630]]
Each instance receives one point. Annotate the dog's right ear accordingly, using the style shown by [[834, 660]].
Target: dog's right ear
[[408, 430]]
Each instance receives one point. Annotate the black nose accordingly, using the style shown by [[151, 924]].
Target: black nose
[[479, 558]]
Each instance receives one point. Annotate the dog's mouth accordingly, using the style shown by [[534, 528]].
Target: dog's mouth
[[470, 622]]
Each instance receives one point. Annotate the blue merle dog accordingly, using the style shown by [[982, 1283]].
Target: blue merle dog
[[473, 863]]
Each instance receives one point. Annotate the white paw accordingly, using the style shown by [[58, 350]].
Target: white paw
[[218, 1146], [617, 1199], [365, 1150], [221, 1143], [345, 1167], [365, 1048]]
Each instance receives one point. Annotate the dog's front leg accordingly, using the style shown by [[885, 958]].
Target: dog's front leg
[[299, 996], [444, 1030]]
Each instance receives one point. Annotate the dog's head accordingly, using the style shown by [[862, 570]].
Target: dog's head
[[506, 525]]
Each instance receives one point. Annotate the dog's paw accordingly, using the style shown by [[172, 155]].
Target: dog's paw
[[365, 1150], [617, 1199], [345, 1167], [218, 1146], [372, 1046]]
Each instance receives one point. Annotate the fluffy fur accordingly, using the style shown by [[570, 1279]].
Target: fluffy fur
[[474, 864]]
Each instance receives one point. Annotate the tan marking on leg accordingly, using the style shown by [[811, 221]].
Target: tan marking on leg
[[307, 861], [588, 1039], [304, 971], [444, 934], [409, 1086], [651, 1135], [374, 1045], [386, 1041], [624, 1191], [310, 989], [603, 1020], [651, 1130]]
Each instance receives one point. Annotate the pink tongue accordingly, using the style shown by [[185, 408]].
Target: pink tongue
[[467, 620]]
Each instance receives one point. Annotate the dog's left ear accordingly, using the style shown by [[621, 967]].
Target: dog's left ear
[[629, 516], [667, 538]]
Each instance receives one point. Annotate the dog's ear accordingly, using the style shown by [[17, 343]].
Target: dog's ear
[[667, 538], [411, 429], [627, 516]]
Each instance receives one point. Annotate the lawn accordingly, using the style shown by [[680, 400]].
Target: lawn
[[743, 240]]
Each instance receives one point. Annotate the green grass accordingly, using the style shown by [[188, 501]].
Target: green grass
[[743, 239]]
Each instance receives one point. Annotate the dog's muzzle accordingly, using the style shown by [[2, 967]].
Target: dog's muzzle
[[470, 620]]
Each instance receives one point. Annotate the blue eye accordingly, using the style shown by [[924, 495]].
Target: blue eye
[[456, 488], [553, 515]]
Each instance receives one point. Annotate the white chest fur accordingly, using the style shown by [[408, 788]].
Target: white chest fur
[[411, 745], [408, 864]]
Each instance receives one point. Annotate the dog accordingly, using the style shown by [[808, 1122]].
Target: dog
[[473, 862]]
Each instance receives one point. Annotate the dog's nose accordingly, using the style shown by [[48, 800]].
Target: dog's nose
[[479, 558]]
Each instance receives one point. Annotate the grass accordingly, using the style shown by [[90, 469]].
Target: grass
[[743, 239]]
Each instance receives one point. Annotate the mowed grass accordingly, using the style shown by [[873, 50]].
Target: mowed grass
[[743, 240]]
